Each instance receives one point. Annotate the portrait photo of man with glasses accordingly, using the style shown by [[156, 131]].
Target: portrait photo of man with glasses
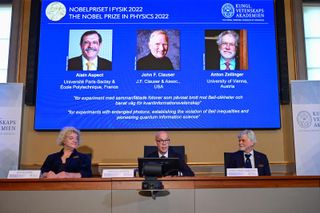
[[223, 50]]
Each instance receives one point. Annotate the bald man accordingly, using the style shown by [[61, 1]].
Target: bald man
[[163, 141]]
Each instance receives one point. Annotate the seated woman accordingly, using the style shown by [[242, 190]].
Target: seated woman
[[68, 163]]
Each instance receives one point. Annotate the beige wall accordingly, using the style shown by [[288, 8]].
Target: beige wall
[[125, 147]]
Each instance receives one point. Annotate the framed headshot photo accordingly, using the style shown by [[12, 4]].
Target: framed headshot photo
[[158, 49], [90, 50], [226, 50]]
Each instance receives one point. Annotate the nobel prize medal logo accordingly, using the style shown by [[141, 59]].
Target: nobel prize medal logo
[[304, 119], [227, 10], [55, 11]]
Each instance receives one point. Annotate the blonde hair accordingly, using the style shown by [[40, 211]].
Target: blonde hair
[[65, 132]]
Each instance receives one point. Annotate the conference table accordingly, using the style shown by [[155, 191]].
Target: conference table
[[294, 194]]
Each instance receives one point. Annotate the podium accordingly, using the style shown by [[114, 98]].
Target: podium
[[186, 194]]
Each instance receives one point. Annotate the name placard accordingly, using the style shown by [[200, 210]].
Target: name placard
[[23, 174], [109, 173], [242, 172]]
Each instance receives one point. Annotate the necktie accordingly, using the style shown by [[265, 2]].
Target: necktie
[[163, 156], [227, 65], [89, 65], [247, 163]]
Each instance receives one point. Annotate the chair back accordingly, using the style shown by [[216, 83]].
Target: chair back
[[227, 162], [150, 149]]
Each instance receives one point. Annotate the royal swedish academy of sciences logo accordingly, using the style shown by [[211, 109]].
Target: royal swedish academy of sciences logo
[[227, 10], [304, 119]]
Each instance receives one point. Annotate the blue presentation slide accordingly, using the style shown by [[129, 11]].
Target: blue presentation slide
[[146, 65]]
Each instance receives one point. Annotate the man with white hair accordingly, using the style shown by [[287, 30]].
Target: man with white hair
[[156, 59], [247, 157], [162, 141], [228, 43], [228, 49]]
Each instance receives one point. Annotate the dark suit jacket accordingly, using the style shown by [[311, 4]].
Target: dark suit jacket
[[183, 167], [260, 160], [77, 163], [76, 63], [213, 63], [150, 62]]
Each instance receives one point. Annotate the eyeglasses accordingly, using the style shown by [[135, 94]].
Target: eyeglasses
[[228, 44], [163, 141]]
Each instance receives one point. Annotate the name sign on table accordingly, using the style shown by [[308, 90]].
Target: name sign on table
[[242, 172], [109, 173], [23, 174]]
